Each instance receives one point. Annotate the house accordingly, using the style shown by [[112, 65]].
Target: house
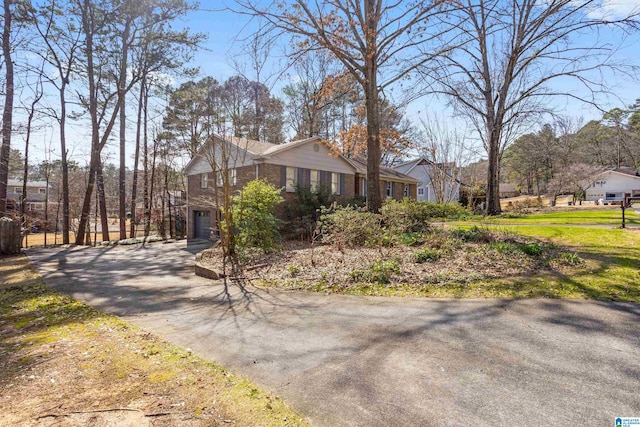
[[507, 190], [36, 195], [613, 186], [429, 189], [307, 162]]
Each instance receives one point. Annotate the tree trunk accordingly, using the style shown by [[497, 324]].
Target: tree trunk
[[374, 197], [7, 115], [134, 184], [123, 130], [493, 174], [102, 202], [65, 166], [121, 184]]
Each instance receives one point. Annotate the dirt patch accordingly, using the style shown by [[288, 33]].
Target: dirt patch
[[64, 363]]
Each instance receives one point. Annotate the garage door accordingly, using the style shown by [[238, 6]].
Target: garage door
[[201, 225]]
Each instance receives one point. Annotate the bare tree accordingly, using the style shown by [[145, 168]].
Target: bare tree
[[499, 79], [59, 29], [378, 43], [447, 150]]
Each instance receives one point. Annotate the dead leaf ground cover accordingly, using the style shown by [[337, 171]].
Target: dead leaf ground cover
[[64, 363], [471, 262]]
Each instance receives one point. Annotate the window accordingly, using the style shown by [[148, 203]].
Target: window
[[405, 190], [291, 180], [421, 191], [314, 179], [219, 178], [364, 187], [335, 183], [17, 190], [234, 177], [42, 190], [203, 180], [388, 189]]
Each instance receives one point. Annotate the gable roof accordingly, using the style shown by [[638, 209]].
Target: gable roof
[[623, 174], [408, 167], [385, 172]]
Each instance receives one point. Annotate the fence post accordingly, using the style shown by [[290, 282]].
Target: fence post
[[10, 239]]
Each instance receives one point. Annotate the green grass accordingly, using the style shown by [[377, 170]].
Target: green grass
[[611, 216]]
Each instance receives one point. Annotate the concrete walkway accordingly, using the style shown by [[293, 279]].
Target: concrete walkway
[[359, 361]]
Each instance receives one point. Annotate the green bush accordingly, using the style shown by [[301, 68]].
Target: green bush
[[253, 217], [377, 272], [532, 249], [407, 216], [452, 210], [350, 227], [427, 255], [309, 201]]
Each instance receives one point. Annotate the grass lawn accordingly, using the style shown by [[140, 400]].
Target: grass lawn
[[601, 216], [63, 362]]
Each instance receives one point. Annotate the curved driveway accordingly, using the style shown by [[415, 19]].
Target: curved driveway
[[360, 361]]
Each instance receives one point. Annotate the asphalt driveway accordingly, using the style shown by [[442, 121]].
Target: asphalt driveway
[[362, 361]]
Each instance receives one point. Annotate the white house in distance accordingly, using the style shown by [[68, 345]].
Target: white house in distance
[[612, 186], [421, 169]]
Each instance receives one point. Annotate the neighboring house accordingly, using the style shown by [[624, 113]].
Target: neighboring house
[[307, 162], [36, 196], [613, 186], [508, 190], [422, 169]]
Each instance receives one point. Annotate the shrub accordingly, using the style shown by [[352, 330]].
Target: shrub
[[350, 227], [407, 216], [253, 218], [452, 210], [427, 255], [377, 272], [309, 201], [532, 249]]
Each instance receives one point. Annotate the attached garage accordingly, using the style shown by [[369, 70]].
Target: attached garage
[[202, 225]]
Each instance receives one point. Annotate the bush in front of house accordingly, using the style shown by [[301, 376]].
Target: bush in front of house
[[452, 210], [349, 226], [309, 201], [407, 216], [253, 215]]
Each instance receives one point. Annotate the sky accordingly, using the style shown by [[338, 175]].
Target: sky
[[225, 29]]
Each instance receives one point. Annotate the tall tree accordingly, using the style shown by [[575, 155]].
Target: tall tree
[[512, 50], [58, 26], [7, 115], [378, 43]]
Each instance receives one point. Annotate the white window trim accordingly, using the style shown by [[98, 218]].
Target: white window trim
[[234, 177], [335, 183], [203, 180], [387, 189], [290, 179], [314, 179]]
